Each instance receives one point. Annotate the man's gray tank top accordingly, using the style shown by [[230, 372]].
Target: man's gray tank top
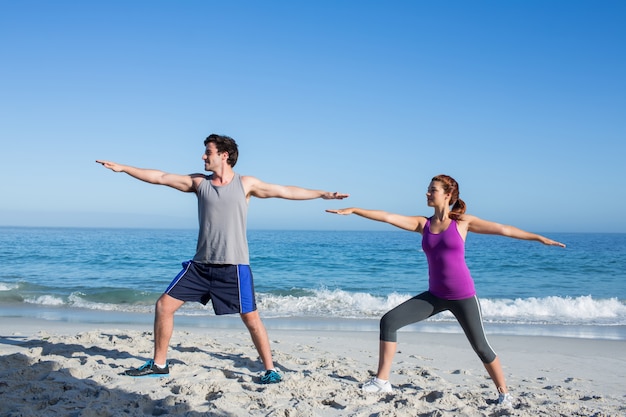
[[222, 213]]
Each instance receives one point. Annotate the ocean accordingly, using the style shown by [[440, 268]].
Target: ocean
[[335, 279]]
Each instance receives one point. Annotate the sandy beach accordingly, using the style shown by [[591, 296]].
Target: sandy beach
[[60, 368]]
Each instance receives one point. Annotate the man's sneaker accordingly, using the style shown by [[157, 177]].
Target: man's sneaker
[[271, 376], [505, 400], [149, 369], [376, 385]]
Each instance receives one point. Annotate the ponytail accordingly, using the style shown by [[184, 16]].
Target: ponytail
[[457, 209]]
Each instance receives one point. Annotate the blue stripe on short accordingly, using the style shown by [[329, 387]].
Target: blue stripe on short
[[177, 278], [246, 289]]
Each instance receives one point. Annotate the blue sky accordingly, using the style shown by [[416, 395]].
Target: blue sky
[[523, 102]]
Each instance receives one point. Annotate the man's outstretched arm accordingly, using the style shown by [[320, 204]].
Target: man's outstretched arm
[[152, 176], [257, 188]]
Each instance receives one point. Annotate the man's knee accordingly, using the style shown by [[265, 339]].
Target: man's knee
[[252, 319], [167, 305]]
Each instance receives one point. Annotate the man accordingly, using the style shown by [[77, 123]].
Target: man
[[220, 270]]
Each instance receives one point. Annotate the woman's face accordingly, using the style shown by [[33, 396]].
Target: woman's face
[[435, 195]]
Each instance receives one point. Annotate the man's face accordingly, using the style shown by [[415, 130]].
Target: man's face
[[212, 158]]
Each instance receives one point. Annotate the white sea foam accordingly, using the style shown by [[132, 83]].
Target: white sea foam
[[77, 300], [7, 287], [325, 303], [548, 310], [45, 300], [561, 310]]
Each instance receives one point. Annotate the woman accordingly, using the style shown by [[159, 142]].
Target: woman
[[450, 285]]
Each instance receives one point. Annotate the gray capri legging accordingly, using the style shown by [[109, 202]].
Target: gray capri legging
[[425, 305]]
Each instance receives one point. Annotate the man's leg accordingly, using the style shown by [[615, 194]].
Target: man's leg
[[164, 311], [258, 333]]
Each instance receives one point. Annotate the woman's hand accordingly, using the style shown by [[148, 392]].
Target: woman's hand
[[344, 211]]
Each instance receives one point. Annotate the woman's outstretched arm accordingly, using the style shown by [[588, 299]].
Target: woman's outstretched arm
[[477, 225], [410, 223]]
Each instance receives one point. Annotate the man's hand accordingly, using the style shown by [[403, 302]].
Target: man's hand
[[335, 196], [111, 165]]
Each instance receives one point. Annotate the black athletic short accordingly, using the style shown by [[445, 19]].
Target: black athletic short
[[229, 287]]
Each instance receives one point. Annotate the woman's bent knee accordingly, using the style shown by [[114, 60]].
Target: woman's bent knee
[[486, 356], [388, 332]]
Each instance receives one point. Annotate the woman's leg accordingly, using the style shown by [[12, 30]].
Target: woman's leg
[[494, 369], [386, 352], [469, 315], [411, 311]]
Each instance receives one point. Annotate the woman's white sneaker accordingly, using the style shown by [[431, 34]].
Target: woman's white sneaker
[[376, 385], [505, 400]]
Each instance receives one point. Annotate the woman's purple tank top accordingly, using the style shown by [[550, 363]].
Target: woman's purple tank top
[[448, 275]]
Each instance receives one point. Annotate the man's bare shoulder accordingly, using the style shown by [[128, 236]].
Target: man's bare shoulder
[[249, 181], [197, 178]]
